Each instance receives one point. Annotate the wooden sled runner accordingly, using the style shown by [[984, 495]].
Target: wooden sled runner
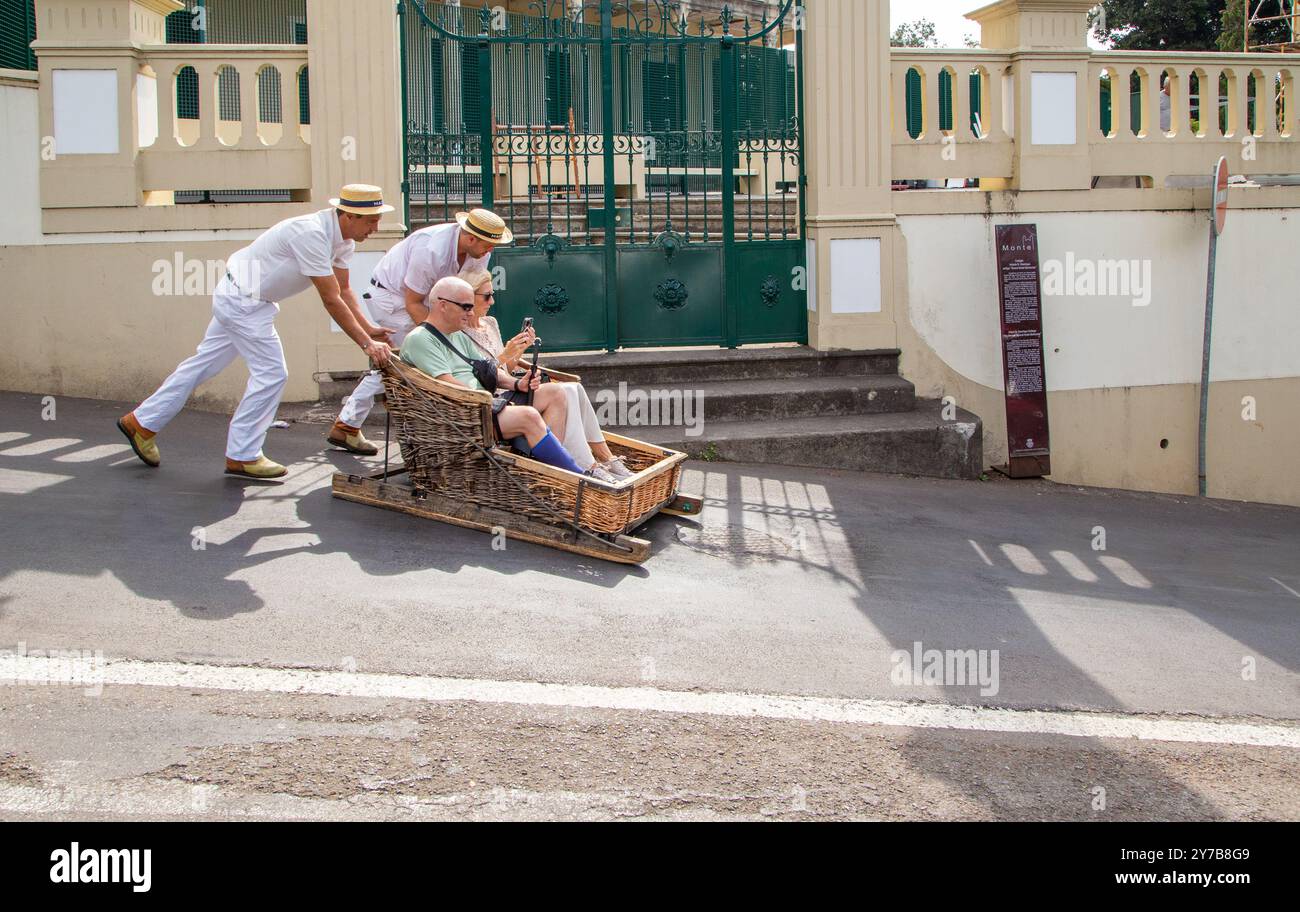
[[457, 471]]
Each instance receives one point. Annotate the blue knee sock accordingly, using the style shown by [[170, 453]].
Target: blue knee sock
[[550, 451]]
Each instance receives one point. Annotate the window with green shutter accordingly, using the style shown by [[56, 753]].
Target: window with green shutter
[[187, 94], [17, 32], [976, 104], [304, 97], [559, 85], [945, 100], [915, 104], [470, 106], [435, 104], [1107, 109]]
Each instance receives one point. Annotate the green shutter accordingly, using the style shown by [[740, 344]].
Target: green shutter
[[976, 103], [187, 94], [470, 107], [304, 97], [436, 108], [715, 56], [945, 100], [559, 85], [1135, 103], [1107, 113], [915, 104], [17, 32], [270, 106]]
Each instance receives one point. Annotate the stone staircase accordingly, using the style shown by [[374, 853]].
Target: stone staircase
[[779, 406], [783, 406]]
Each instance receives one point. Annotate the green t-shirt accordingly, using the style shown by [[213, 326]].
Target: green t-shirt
[[423, 350]]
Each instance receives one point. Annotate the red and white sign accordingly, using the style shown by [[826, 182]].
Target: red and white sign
[[1220, 196]]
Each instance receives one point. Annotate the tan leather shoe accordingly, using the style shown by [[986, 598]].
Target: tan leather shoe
[[261, 468], [352, 440], [142, 441]]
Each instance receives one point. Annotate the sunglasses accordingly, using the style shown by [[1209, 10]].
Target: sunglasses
[[465, 307], [490, 295]]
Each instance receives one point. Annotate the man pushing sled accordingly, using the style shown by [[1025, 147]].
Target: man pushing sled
[[287, 260]]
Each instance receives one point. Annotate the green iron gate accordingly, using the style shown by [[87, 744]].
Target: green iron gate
[[649, 163]]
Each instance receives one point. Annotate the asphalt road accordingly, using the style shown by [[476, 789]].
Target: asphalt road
[[795, 582]]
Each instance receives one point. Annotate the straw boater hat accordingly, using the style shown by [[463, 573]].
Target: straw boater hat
[[485, 225], [362, 199]]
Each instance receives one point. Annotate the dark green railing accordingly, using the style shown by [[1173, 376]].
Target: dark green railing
[[543, 76]]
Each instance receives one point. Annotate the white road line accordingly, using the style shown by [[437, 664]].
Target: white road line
[[89, 673], [980, 551], [1285, 586]]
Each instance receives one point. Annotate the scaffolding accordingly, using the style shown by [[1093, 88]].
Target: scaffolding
[[1275, 19]]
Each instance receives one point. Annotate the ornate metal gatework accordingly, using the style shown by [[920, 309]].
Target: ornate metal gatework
[[634, 147]]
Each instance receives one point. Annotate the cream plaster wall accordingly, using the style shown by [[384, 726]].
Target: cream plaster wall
[[1123, 380]]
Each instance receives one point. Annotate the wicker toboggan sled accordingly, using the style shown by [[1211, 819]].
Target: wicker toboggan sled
[[456, 470]]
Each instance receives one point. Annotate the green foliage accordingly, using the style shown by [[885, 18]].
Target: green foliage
[[1233, 35], [919, 34], [1160, 25]]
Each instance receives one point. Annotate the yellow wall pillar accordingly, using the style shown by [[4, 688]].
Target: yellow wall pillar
[[356, 108], [355, 74], [89, 62], [1049, 71], [851, 227]]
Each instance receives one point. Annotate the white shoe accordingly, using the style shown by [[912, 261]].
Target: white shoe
[[618, 468], [600, 474]]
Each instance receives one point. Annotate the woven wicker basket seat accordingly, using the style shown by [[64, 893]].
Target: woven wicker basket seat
[[450, 448]]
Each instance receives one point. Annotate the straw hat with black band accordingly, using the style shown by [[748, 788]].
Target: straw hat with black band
[[485, 225], [362, 199]]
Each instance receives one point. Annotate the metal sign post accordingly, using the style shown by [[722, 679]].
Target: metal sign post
[[1218, 220]]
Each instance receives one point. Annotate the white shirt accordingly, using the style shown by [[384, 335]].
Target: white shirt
[[283, 261], [422, 259]]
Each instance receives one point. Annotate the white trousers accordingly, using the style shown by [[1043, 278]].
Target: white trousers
[[389, 311], [582, 428], [241, 328]]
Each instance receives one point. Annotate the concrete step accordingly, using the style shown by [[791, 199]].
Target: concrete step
[[763, 399], [654, 369], [919, 442], [671, 368]]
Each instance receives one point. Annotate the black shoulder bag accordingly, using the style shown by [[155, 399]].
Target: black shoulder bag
[[485, 370]]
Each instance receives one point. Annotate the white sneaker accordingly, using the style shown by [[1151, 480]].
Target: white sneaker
[[600, 474], [618, 468]]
